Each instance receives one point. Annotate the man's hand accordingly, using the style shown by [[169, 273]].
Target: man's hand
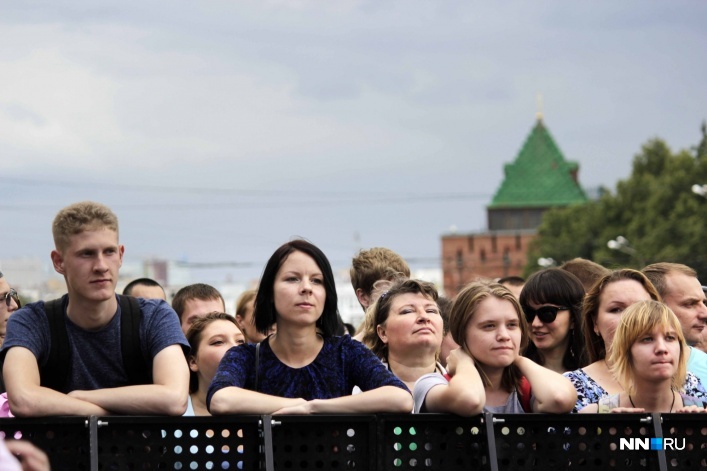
[[85, 397], [303, 408]]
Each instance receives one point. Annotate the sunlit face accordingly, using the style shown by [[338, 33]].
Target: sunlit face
[[614, 299], [414, 326], [195, 308], [299, 290], [552, 335], [655, 355], [90, 264], [216, 339], [686, 299], [493, 334]]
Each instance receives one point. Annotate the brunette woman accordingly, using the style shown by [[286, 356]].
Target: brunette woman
[[302, 368], [210, 336], [552, 302]]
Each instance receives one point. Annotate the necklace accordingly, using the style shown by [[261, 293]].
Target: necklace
[[671, 405]]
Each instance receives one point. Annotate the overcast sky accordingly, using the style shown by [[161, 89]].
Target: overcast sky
[[217, 130]]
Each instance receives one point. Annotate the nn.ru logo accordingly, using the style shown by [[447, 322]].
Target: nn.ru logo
[[651, 444]]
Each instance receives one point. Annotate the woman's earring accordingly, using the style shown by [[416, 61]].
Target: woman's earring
[[572, 343]]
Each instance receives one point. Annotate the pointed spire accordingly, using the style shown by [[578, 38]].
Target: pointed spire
[[539, 114], [539, 177]]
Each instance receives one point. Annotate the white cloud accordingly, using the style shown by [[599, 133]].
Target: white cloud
[[398, 97]]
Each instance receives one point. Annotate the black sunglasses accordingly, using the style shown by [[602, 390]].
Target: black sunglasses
[[546, 314], [10, 295]]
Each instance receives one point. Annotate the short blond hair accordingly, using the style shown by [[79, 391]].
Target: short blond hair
[[637, 320], [79, 217], [378, 263]]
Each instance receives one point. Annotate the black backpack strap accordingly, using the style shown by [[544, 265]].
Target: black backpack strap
[[138, 370], [55, 371]]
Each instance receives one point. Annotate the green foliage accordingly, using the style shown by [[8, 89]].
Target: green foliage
[[655, 209]]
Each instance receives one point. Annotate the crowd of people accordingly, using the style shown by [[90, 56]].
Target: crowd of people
[[575, 338]]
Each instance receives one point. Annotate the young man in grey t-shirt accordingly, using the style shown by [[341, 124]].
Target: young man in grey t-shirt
[[87, 253]]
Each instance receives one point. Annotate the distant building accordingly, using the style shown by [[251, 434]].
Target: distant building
[[538, 179], [24, 273]]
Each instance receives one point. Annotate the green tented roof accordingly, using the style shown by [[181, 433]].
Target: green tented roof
[[539, 177]]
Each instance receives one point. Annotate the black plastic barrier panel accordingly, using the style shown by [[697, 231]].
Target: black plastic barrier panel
[[66, 440], [560, 442], [371, 442], [175, 443], [688, 448], [432, 442]]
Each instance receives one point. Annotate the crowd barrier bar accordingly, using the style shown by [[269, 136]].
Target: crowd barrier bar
[[370, 442]]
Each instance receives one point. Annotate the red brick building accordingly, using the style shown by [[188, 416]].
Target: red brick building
[[539, 179]]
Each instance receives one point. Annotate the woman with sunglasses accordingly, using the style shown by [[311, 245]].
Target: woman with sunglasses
[[552, 302], [603, 307]]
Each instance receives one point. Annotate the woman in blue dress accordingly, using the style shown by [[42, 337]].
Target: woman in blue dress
[[302, 368]]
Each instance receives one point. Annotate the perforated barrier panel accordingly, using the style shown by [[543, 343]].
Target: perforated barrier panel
[[561, 442], [324, 442], [688, 446], [64, 439], [367, 442], [432, 442], [197, 443]]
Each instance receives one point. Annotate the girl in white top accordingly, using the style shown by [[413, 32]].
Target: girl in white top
[[210, 337], [487, 322]]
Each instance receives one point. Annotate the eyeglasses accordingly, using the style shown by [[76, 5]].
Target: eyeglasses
[[10, 296], [546, 314]]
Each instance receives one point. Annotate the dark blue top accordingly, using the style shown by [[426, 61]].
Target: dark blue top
[[96, 355], [341, 364]]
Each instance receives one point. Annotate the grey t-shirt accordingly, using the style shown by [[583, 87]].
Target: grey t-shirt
[[96, 356], [428, 381]]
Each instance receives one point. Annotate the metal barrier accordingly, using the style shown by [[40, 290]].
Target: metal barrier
[[370, 442]]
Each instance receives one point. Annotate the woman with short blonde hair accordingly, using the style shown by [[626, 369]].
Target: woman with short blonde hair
[[603, 310], [648, 359]]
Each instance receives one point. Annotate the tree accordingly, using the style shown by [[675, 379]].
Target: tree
[[655, 209]]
